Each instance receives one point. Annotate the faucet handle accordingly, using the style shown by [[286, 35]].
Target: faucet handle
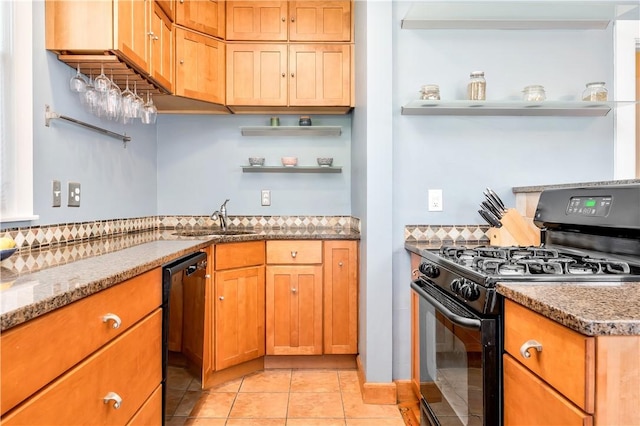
[[223, 207]]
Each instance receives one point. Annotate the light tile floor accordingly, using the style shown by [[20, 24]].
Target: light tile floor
[[275, 398]]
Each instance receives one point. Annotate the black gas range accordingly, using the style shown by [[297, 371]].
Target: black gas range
[[588, 235]]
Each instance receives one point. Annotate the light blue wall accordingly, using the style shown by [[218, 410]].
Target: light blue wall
[[115, 182], [200, 159], [464, 155]]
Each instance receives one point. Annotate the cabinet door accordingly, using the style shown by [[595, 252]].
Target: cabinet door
[[294, 310], [320, 74], [239, 316], [340, 297], [320, 20], [257, 20], [206, 16], [529, 400], [130, 32], [256, 74], [169, 8], [200, 70], [162, 62]]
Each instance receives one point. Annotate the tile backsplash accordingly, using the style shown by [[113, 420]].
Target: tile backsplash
[[447, 234]]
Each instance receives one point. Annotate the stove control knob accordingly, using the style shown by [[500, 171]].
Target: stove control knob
[[456, 285], [429, 270], [470, 291]]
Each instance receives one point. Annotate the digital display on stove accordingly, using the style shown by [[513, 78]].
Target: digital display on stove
[[589, 206]]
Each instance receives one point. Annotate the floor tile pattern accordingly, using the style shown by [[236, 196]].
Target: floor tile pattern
[[287, 397]]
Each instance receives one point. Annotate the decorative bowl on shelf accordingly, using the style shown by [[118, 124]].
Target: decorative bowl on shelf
[[256, 161], [325, 161], [289, 161]]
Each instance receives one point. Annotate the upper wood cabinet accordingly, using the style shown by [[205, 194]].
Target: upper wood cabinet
[[200, 67], [257, 20], [292, 21], [289, 75], [320, 20], [169, 8], [127, 28], [205, 16]]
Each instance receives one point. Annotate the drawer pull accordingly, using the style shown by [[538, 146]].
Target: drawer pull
[[112, 396], [340, 264], [529, 344], [112, 317], [221, 298], [294, 254], [293, 290]]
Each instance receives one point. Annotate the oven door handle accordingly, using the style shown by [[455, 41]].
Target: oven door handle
[[472, 323]]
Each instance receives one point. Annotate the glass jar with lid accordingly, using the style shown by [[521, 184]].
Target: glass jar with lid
[[534, 93], [430, 92], [477, 87], [595, 92]]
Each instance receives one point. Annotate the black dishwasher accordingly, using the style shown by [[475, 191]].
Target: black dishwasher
[[187, 269]]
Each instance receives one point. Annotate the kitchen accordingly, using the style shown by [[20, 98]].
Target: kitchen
[[150, 176]]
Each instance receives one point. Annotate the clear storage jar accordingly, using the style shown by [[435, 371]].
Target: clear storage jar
[[595, 92], [430, 92], [534, 93], [477, 87]]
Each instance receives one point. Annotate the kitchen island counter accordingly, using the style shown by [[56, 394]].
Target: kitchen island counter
[[593, 309], [85, 268]]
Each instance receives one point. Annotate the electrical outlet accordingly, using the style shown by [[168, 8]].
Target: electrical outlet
[[56, 194], [74, 194], [435, 200], [265, 197]]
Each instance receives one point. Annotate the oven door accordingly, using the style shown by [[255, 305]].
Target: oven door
[[459, 362]]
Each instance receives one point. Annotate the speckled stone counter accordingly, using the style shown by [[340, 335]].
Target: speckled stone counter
[[588, 308], [24, 296], [540, 188]]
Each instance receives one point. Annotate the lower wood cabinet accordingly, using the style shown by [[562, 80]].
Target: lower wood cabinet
[[107, 388], [573, 379], [239, 316]]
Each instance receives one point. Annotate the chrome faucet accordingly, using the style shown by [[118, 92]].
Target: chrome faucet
[[221, 215]]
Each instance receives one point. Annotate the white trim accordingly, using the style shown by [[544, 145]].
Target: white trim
[[626, 36]]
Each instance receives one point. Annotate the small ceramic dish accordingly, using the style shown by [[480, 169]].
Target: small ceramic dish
[[7, 252], [256, 161], [324, 161], [289, 161]]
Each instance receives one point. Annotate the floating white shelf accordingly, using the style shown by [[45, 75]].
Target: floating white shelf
[[293, 169], [518, 15], [508, 108], [291, 131]]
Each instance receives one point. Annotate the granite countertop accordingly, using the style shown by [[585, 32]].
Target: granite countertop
[[24, 296], [540, 188], [593, 309]]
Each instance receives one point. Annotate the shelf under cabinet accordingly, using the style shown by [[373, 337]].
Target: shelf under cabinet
[[291, 131], [510, 15], [292, 169], [507, 108]]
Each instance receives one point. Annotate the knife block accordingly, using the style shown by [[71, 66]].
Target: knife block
[[515, 231]]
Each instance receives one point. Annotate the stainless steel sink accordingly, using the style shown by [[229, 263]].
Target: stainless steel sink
[[212, 232]]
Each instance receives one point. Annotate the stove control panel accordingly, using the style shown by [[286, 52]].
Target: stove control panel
[[465, 288], [589, 206], [429, 270]]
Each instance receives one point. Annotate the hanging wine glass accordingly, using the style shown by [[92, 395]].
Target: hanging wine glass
[[127, 100], [89, 98], [138, 103], [149, 111], [113, 100], [77, 83], [102, 82]]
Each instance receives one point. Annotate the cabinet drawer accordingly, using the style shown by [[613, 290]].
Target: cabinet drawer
[[294, 252], [239, 255], [35, 353], [130, 366], [528, 400], [150, 414], [567, 359]]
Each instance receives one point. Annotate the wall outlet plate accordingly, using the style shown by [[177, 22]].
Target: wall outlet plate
[[265, 197], [56, 193], [435, 200], [74, 194]]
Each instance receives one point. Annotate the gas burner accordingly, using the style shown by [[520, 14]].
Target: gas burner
[[607, 266]]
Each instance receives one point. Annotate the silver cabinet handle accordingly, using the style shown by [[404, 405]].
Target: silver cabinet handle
[[207, 276], [294, 254], [340, 264], [292, 75], [221, 298], [284, 19], [293, 19], [150, 34], [530, 344], [112, 317], [182, 62], [112, 396], [293, 290], [181, 1], [283, 75]]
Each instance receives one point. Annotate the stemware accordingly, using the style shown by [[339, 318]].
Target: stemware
[[127, 101], [102, 82], [89, 98], [77, 83], [138, 103], [149, 111], [113, 101]]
